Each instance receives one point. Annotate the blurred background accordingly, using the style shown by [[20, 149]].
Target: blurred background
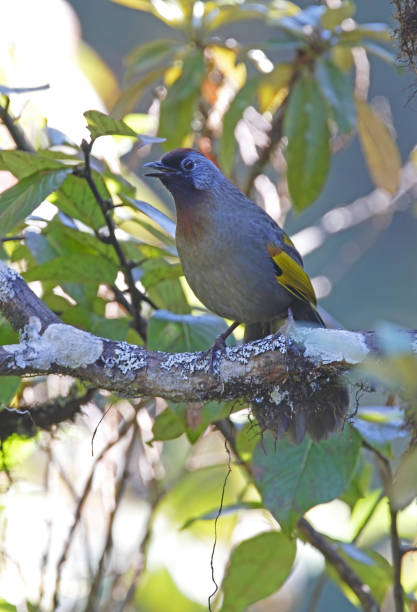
[[127, 497]]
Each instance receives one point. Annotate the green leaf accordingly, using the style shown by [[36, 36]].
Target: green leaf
[[167, 425], [178, 333], [293, 478], [228, 509], [8, 388], [308, 151], [7, 607], [153, 213], [158, 591], [114, 329], [169, 295], [130, 96], [244, 98], [20, 200], [337, 90], [404, 488], [177, 110], [381, 153], [257, 568], [21, 163], [224, 15], [157, 270], [372, 569], [100, 124], [169, 11], [148, 55], [334, 16], [74, 267], [75, 199]]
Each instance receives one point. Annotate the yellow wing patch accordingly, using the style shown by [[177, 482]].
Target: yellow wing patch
[[291, 275]]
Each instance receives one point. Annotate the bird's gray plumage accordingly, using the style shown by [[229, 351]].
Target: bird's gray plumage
[[221, 239]]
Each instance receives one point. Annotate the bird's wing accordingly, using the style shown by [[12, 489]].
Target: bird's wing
[[291, 275]]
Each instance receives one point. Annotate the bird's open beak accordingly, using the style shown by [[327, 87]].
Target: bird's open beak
[[160, 169]]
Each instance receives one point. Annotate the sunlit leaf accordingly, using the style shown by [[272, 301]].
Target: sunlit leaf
[[177, 333], [74, 267], [273, 89], [131, 95], [334, 16], [404, 488], [20, 200], [370, 566], [158, 591], [75, 199], [293, 478], [100, 124], [229, 509], [381, 152], [177, 110], [224, 15], [257, 568], [168, 11], [308, 151], [242, 100], [22, 164], [337, 89], [148, 55]]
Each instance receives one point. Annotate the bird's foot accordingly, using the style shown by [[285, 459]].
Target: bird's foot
[[215, 352]]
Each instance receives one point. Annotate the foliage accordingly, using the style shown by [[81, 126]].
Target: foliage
[[106, 262]]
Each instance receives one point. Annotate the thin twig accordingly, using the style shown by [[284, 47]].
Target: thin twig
[[92, 596], [135, 294], [14, 130], [87, 487], [346, 573]]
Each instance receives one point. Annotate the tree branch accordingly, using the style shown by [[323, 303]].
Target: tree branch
[[15, 131], [49, 346], [345, 572]]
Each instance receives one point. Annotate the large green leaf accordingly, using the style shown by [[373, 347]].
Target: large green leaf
[[176, 333], [8, 388], [74, 267], [177, 110], [158, 591], [22, 163], [230, 13], [157, 270], [337, 89], [308, 151], [257, 568], [148, 55], [130, 96], [380, 151], [293, 478], [245, 96], [20, 200], [100, 124], [75, 199], [114, 329]]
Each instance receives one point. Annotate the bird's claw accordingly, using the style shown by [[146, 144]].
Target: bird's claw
[[215, 352]]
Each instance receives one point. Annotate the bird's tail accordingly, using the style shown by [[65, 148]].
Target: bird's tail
[[307, 312]]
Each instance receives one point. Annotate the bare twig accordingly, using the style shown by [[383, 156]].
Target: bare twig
[[330, 553], [14, 129], [106, 207], [86, 490], [92, 603]]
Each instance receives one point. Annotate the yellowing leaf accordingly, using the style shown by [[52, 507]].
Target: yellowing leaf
[[380, 151], [273, 90], [225, 60]]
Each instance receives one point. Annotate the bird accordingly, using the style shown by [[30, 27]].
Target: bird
[[238, 261], [243, 266]]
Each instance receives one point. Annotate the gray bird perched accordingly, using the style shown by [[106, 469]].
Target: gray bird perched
[[237, 260], [244, 267]]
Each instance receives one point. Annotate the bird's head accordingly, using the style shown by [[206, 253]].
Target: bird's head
[[185, 170]]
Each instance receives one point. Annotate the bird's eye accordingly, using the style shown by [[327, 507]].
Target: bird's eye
[[188, 164]]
